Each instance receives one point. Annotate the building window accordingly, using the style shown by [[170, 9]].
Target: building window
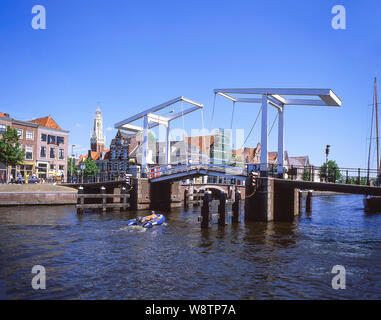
[[43, 137], [61, 167], [43, 152], [52, 167], [61, 154], [29, 152], [51, 139], [3, 128], [52, 153], [29, 135], [60, 140], [20, 133]]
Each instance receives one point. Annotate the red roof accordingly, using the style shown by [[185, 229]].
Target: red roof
[[47, 122], [1, 114]]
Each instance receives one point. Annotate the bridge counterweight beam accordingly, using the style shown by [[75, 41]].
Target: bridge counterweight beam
[[167, 146], [281, 143], [145, 143]]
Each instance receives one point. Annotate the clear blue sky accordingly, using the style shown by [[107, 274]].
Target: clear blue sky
[[133, 55]]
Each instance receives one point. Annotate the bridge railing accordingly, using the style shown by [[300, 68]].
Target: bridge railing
[[159, 171], [95, 178], [357, 176]]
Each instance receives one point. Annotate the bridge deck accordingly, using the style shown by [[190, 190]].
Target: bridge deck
[[335, 187]]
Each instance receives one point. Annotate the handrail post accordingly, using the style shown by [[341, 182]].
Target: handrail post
[[358, 176]]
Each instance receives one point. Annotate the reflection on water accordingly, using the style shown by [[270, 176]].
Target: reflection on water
[[98, 257]]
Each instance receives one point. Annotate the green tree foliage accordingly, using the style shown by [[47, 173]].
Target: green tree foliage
[[91, 167], [306, 175], [333, 171], [70, 164], [11, 153]]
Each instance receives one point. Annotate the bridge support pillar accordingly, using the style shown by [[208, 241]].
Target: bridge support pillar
[[222, 209], [271, 202], [165, 195], [140, 194], [259, 204], [286, 203]]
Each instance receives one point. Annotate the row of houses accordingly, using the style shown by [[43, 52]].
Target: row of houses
[[45, 144]]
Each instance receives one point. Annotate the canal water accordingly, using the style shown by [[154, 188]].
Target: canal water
[[97, 256]]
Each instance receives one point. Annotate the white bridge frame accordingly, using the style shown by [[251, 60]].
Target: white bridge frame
[[273, 96], [152, 120]]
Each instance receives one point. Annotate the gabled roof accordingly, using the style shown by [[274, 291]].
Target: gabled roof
[[47, 122], [94, 155], [298, 161]]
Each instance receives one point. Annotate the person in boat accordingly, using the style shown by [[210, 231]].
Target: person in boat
[[150, 217]]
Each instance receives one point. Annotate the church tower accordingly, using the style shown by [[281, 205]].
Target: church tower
[[97, 140]]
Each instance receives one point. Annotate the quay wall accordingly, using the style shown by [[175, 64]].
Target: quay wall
[[37, 198]]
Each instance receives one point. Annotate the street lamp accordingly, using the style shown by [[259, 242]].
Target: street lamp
[[326, 162], [83, 167], [71, 161]]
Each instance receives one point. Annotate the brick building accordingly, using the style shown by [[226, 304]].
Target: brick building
[[45, 145], [52, 148]]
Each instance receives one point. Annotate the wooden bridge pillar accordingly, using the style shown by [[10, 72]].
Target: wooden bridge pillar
[[300, 198], [309, 202], [123, 191], [186, 199], [104, 199], [205, 210], [80, 200], [236, 208], [222, 209]]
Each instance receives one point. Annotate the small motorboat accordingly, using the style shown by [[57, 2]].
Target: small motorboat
[[148, 221]]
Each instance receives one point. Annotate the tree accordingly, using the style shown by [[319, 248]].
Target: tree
[[306, 174], [70, 165], [11, 153], [333, 171], [91, 167]]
